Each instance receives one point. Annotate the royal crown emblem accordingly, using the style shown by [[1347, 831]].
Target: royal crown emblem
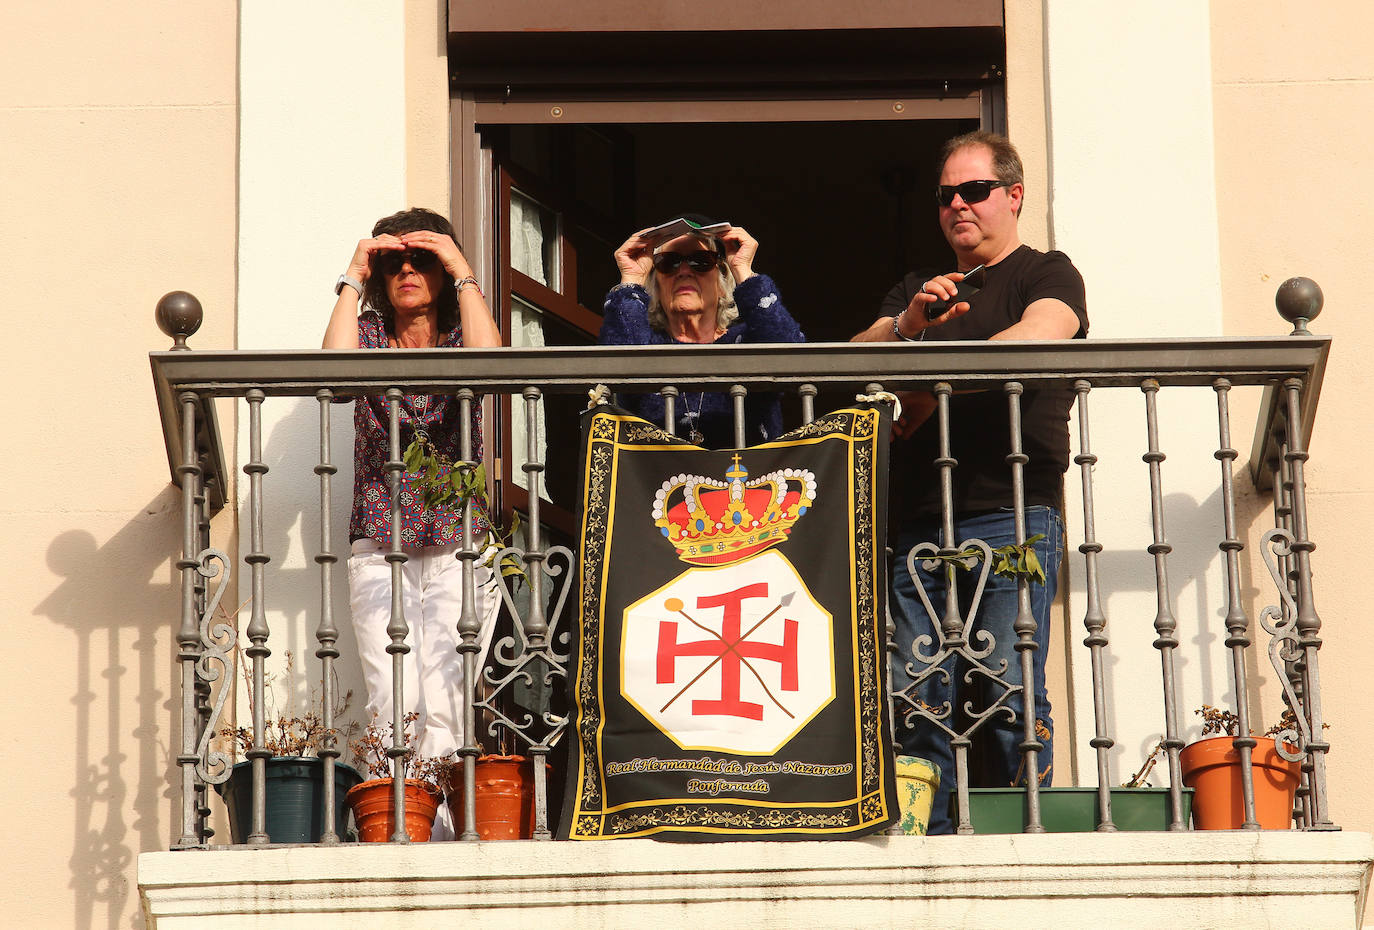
[[714, 522]]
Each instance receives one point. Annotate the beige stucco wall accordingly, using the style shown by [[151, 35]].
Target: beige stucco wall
[[117, 139], [119, 149], [1292, 87]]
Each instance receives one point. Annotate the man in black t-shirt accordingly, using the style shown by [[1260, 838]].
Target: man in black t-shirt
[[1024, 294]]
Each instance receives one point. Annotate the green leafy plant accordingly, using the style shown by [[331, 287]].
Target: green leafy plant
[[443, 483], [1010, 561]]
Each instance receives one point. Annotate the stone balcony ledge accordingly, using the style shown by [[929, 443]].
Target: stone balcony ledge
[[1221, 879]]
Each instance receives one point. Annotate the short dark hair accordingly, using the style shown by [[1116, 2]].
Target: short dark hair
[[413, 220], [1006, 163]]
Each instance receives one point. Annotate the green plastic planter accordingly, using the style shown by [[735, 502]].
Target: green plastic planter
[[295, 799], [1069, 810]]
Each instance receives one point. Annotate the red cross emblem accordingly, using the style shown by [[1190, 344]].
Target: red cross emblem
[[732, 649], [735, 658]]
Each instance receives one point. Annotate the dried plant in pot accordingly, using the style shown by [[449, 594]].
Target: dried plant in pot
[[374, 801], [1212, 767], [294, 774]]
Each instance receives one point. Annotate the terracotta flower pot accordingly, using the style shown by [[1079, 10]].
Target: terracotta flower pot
[[1212, 768], [505, 797], [376, 818]]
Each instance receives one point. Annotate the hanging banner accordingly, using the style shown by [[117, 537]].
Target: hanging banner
[[729, 678]]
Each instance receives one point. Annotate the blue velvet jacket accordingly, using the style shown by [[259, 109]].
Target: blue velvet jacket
[[762, 319]]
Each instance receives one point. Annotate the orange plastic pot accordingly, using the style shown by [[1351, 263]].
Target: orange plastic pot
[[375, 815], [1212, 768], [505, 798]]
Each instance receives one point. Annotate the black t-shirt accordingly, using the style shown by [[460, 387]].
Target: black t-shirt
[[979, 422]]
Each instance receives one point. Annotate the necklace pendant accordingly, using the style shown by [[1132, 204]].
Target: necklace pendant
[[695, 437]]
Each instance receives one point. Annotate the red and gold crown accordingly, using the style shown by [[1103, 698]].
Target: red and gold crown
[[714, 522]]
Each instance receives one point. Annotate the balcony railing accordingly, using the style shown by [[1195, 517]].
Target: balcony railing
[[1285, 372]]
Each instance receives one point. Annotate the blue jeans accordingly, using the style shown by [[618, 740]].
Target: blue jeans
[[1000, 737]]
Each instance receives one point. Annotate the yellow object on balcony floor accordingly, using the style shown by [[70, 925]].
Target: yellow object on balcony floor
[[917, 780]]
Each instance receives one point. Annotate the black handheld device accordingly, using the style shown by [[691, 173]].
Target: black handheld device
[[971, 284]]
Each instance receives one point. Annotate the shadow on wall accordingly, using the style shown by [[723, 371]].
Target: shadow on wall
[[291, 538], [121, 600], [1198, 602]]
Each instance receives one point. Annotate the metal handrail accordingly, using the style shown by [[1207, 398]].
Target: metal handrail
[[1267, 361]]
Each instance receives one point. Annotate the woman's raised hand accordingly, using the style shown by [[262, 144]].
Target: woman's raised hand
[[360, 265], [739, 252], [455, 263], [635, 259]]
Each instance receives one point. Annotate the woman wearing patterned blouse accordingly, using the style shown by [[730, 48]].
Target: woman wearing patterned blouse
[[409, 286]]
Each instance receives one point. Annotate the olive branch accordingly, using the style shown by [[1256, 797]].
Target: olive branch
[[442, 482], [1012, 560]]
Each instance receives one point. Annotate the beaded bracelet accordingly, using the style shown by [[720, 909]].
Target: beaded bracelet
[[464, 282]]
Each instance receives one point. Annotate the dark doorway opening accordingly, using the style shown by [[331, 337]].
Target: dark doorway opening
[[841, 209]]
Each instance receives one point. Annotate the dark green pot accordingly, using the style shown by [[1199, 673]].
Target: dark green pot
[[1070, 810], [295, 799]]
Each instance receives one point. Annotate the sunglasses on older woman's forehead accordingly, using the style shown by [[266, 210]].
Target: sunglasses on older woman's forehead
[[699, 261], [419, 259], [969, 191]]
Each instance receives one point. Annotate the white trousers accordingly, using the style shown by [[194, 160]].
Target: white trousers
[[432, 596]]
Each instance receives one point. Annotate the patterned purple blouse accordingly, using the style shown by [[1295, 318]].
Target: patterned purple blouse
[[438, 415]]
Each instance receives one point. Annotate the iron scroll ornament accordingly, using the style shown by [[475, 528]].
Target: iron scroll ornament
[[958, 639], [216, 640], [1280, 622], [520, 658]]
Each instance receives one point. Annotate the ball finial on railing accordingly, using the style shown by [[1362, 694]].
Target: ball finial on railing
[[179, 315], [1299, 301]]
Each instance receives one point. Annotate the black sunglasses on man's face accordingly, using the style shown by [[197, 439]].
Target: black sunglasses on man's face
[[969, 191]]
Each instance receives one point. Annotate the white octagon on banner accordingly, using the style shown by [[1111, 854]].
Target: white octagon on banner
[[734, 659]]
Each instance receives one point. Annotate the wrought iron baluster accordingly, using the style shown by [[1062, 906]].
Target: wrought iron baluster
[[469, 626], [669, 394], [188, 635], [1285, 653], [1094, 618], [257, 650], [952, 623], [1237, 624], [1166, 627], [737, 394], [203, 709], [1024, 625], [396, 627], [1308, 623], [807, 393], [326, 633], [535, 624]]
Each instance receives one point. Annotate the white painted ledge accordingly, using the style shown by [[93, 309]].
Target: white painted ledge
[[1250, 880]]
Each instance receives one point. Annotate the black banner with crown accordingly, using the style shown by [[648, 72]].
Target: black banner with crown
[[729, 678]]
